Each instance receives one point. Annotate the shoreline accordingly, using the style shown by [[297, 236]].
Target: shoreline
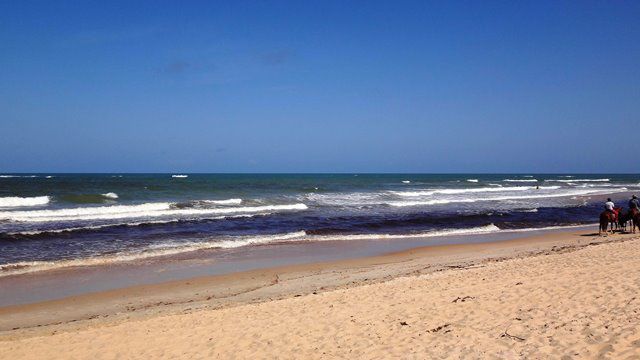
[[264, 285], [57, 283]]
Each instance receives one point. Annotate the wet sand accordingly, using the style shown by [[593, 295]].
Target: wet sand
[[570, 293]]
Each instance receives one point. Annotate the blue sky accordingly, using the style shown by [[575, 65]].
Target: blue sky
[[319, 86]]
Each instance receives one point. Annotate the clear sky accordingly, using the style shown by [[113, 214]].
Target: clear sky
[[320, 86]]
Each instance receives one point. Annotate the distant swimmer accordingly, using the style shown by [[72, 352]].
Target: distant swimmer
[[537, 187]]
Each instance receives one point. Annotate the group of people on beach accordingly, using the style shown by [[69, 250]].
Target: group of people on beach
[[616, 216], [634, 205]]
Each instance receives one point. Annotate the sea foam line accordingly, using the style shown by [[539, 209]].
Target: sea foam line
[[130, 224], [520, 180], [166, 249], [148, 210], [223, 202], [464, 231], [474, 190], [500, 198], [578, 180], [15, 201], [174, 248]]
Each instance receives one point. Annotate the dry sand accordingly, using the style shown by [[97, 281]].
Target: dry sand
[[579, 299]]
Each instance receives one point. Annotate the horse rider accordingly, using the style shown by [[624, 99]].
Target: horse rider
[[634, 204], [609, 205]]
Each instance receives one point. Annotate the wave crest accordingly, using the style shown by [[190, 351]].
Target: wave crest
[[165, 249], [579, 180], [501, 198], [148, 210], [520, 180], [474, 190], [15, 201]]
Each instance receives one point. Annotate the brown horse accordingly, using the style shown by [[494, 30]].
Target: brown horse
[[635, 219], [623, 218], [606, 218]]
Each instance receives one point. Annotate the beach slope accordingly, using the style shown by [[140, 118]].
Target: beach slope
[[576, 302]]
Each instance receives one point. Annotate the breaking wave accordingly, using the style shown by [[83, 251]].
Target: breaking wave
[[579, 180], [174, 248], [468, 231], [6, 202], [163, 249], [148, 210], [498, 198], [223, 202], [29, 233], [473, 190], [520, 180]]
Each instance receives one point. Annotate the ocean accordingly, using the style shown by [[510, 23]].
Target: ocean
[[50, 221]]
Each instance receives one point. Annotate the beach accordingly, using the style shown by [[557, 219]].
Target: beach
[[319, 180], [567, 294]]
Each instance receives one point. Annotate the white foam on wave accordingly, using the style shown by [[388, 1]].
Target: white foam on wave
[[406, 181], [601, 185], [180, 176], [343, 199], [14, 201], [223, 202], [132, 224], [472, 180], [520, 180], [173, 248], [110, 195], [487, 229], [468, 231], [502, 198], [164, 249], [579, 180], [148, 210], [474, 190]]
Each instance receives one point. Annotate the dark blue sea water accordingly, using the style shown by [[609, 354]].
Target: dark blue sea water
[[58, 220]]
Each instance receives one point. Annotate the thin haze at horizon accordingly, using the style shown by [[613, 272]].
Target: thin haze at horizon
[[328, 86]]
